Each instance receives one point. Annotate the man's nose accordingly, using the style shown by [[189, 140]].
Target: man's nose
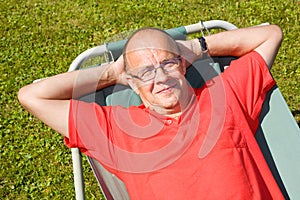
[[160, 75]]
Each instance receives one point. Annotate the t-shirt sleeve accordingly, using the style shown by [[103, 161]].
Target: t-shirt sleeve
[[85, 131], [73, 140], [250, 80]]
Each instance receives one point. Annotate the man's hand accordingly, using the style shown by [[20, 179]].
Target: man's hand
[[190, 50], [119, 70]]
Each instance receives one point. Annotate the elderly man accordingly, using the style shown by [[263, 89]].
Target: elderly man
[[181, 143]]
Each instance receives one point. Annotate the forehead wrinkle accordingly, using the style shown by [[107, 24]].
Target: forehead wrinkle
[[147, 57], [152, 46]]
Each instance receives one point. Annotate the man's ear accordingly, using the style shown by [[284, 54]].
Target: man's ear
[[132, 84], [184, 64]]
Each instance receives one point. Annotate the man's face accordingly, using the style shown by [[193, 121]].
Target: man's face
[[166, 92]]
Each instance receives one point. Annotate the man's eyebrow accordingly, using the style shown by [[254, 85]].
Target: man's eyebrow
[[166, 59], [149, 66], [143, 68]]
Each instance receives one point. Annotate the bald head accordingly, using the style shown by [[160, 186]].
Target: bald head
[[152, 39]]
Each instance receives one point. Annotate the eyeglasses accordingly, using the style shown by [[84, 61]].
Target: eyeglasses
[[148, 73]]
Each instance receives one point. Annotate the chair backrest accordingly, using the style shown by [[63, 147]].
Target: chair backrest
[[279, 139], [278, 135]]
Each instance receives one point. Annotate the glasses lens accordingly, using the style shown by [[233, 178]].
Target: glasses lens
[[171, 64], [148, 73]]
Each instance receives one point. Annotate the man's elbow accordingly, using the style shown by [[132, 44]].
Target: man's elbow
[[276, 33], [22, 96], [25, 97]]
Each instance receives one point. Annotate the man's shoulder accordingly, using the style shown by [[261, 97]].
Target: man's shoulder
[[249, 58]]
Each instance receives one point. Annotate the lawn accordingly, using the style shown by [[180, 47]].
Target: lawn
[[41, 38]]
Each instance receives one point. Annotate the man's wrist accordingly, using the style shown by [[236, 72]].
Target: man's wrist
[[201, 50], [203, 46]]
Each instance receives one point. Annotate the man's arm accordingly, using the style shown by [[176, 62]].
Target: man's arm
[[49, 98], [264, 39]]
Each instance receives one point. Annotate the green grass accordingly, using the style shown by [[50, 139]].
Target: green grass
[[41, 38]]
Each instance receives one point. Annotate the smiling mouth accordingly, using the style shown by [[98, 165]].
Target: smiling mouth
[[167, 89]]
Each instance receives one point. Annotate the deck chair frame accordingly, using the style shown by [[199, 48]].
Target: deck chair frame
[[278, 135]]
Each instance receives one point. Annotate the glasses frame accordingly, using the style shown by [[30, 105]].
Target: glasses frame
[[161, 65]]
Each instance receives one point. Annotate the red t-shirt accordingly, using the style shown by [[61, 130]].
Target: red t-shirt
[[210, 152]]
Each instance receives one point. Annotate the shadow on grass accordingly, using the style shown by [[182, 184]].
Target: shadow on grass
[[296, 113]]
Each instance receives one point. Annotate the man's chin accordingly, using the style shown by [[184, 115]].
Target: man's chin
[[169, 105]]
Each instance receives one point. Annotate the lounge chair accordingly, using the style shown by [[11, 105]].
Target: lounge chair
[[278, 134]]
